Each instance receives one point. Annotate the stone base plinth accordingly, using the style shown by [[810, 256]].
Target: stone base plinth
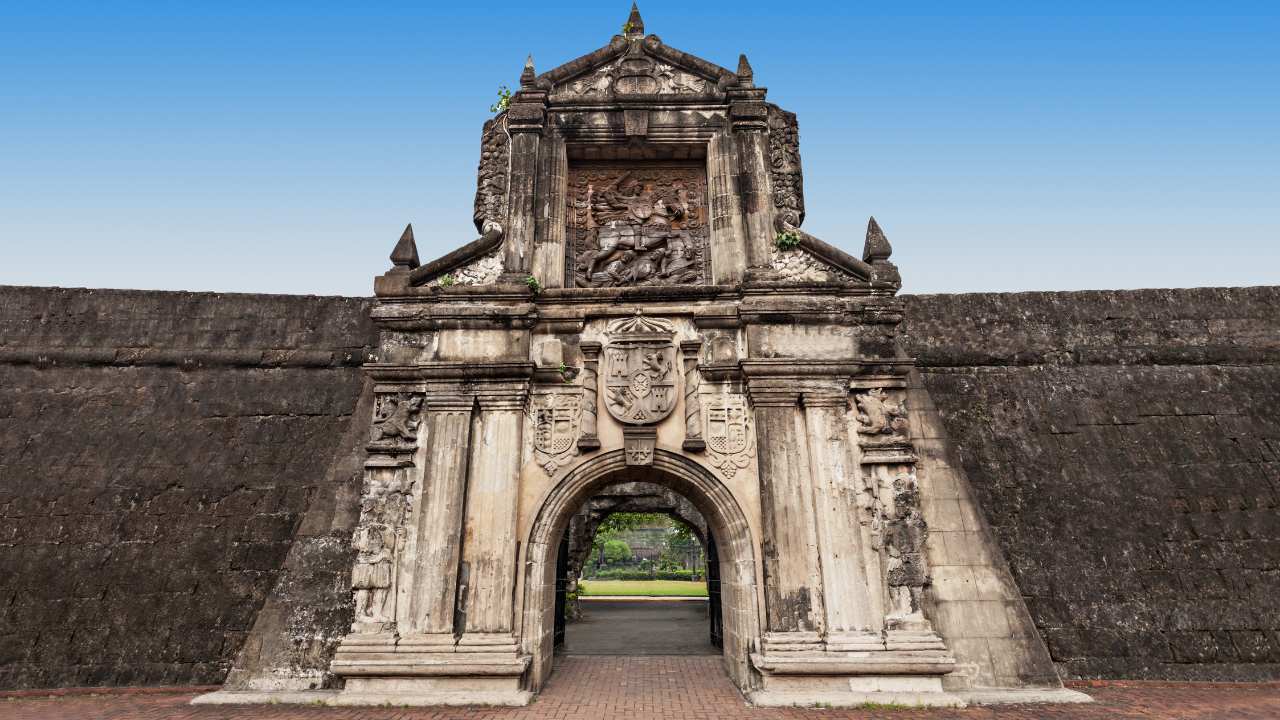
[[430, 670], [848, 679]]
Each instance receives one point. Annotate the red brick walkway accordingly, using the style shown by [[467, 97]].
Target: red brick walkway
[[679, 688]]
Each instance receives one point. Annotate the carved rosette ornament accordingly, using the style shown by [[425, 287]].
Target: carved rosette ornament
[[556, 420], [730, 440], [640, 380]]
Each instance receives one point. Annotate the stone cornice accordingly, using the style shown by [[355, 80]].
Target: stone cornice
[[475, 371]]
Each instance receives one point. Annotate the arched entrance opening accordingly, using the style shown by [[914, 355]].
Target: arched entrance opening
[[632, 577], [727, 527]]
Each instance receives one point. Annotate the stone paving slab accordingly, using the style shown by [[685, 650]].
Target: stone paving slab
[[671, 688]]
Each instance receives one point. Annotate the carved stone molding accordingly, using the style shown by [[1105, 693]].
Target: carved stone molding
[[639, 444]]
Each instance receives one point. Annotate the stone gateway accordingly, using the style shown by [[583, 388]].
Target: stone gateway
[[642, 306]]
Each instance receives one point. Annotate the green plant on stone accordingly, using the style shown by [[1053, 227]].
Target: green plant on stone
[[565, 375], [504, 100], [787, 240], [446, 280], [535, 287]]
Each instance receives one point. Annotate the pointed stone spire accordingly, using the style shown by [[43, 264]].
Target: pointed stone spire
[[634, 26], [527, 76], [405, 256], [877, 247], [746, 76]]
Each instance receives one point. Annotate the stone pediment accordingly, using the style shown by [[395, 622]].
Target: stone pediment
[[636, 68], [638, 165]]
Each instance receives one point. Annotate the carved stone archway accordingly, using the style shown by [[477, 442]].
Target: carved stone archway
[[725, 521]]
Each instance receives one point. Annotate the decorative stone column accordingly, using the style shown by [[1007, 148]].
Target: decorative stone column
[[439, 522], [526, 117], [489, 543], [749, 120], [590, 374], [693, 441], [794, 611], [852, 623]]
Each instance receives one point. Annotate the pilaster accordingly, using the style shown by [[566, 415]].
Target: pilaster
[[851, 621], [748, 116], [526, 118], [793, 579]]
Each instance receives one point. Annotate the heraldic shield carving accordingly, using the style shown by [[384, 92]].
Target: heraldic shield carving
[[556, 419], [730, 440], [639, 370]]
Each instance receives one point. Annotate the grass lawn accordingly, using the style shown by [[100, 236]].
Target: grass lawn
[[664, 588]]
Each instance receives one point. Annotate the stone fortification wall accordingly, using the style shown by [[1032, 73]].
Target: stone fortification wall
[[157, 451], [1125, 449]]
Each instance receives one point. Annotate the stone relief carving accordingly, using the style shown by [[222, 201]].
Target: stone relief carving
[[556, 421], [637, 225], [730, 439], [635, 73], [880, 419], [371, 576], [904, 538], [639, 370], [483, 270], [395, 418], [378, 540], [492, 176], [784, 167], [798, 265]]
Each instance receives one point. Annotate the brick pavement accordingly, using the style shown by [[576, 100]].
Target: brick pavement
[[672, 688]]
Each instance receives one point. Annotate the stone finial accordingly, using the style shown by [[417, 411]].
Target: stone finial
[[634, 26], [877, 247], [528, 76], [405, 256], [746, 76]]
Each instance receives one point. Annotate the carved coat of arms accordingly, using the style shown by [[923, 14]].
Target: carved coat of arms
[[556, 421], [730, 439], [639, 370]]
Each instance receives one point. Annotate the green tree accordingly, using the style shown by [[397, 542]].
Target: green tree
[[616, 551]]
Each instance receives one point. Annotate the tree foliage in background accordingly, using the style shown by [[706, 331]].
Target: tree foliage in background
[[616, 551]]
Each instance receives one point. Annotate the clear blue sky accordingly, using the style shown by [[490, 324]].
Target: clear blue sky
[[282, 146]]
